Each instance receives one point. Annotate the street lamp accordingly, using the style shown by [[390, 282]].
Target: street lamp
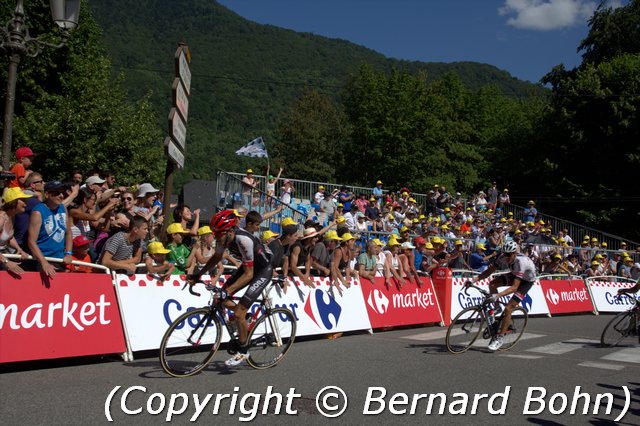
[[17, 43]]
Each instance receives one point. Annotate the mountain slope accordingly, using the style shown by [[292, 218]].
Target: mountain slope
[[244, 74]]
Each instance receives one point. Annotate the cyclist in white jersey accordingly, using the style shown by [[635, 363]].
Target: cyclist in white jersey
[[518, 282]]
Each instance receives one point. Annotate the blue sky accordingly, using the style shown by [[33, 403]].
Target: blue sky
[[524, 37]]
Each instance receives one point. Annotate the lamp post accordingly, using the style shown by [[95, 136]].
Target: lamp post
[[17, 43]]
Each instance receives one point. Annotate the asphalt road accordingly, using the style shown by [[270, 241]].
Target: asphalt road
[[555, 356]]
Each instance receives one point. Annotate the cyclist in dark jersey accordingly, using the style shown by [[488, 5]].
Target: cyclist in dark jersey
[[519, 281], [254, 273]]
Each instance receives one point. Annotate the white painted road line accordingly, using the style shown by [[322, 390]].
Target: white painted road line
[[625, 355], [564, 347], [522, 356], [601, 365]]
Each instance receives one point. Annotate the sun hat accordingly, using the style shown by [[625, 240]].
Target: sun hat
[[12, 194], [268, 234], [156, 247], [176, 228], [204, 230]]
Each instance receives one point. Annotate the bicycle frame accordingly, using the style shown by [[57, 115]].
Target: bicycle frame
[[485, 308]]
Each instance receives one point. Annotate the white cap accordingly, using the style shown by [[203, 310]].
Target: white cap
[[146, 188], [408, 245], [91, 180]]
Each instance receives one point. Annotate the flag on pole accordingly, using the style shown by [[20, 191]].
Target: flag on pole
[[255, 149]]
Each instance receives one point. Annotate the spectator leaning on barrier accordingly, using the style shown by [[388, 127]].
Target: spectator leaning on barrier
[[13, 204], [80, 252], [123, 250], [301, 256], [367, 262], [180, 254], [49, 232], [156, 260]]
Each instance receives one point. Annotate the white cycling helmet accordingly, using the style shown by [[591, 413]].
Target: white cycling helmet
[[510, 247]]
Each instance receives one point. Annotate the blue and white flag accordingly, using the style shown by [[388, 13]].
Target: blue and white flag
[[255, 149]]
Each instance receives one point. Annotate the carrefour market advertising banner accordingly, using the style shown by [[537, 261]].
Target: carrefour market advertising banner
[[149, 306], [65, 316]]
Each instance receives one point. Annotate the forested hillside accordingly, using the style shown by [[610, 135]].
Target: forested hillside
[[245, 75]]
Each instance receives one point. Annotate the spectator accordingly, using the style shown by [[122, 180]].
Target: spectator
[[321, 255], [281, 247], [190, 221], [13, 205], [328, 206], [367, 262], [249, 184], [80, 253], [24, 159], [123, 250], [345, 198], [593, 270], [145, 198], [492, 197], [156, 261], [180, 254], [361, 226], [361, 203], [504, 199], [479, 261], [395, 266], [76, 177], [456, 257], [271, 183], [377, 194], [286, 192], [530, 213], [340, 265], [84, 214], [318, 197], [372, 213], [49, 232], [301, 256], [350, 217], [128, 202]]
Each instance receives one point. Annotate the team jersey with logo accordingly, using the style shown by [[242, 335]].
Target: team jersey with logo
[[522, 267], [248, 249]]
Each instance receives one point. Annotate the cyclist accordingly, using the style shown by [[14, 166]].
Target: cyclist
[[519, 281], [254, 273]]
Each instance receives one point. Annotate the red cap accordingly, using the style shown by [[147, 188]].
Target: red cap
[[24, 152], [80, 241], [419, 240]]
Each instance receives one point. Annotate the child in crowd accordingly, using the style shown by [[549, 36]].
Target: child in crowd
[[80, 253], [24, 159], [156, 260], [179, 252]]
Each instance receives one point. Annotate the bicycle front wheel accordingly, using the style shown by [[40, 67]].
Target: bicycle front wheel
[[190, 342], [464, 330], [617, 329], [519, 319], [271, 337]]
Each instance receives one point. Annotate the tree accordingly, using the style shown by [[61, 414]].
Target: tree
[[75, 115], [311, 136]]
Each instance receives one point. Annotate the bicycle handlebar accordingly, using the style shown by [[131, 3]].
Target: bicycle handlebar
[[468, 284], [279, 280]]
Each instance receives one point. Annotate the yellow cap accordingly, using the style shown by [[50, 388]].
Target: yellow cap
[[156, 247], [378, 242], [347, 236], [480, 246], [428, 246], [332, 235], [340, 219], [288, 221], [595, 263], [204, 230], [268, 234], [321, 187], [393, 242], [249, 171], [12, 194], [379, 182], [176, 228]]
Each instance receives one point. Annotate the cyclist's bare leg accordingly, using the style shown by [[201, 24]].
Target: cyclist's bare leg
[[506, 319], [240, 313]]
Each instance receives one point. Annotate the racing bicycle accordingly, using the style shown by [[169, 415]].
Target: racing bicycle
[[473, 321], [193, 338], [623, 325]]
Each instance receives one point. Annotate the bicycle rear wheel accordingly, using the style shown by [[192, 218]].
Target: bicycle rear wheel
[[519, 319], [464, 330], [190, 342], [271, 337], [617, 329]]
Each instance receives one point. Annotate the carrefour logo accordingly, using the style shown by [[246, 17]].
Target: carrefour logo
[[323, 307], [552, 296], [378, 301], [527, 302]]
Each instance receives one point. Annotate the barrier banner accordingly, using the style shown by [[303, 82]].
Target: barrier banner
[[566, 296], [534, 302], [604, 296], [150, 306], [68, 315], [388, 307]]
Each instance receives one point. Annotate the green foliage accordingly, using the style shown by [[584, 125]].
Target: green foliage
[[311, 138], [76, 116]]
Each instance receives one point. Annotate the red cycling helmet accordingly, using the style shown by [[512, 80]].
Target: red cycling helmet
[[223, 221]]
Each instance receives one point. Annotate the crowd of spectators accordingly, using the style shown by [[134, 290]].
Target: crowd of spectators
[[90, 218]]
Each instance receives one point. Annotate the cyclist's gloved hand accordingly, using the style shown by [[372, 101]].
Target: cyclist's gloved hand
[[192, 278]]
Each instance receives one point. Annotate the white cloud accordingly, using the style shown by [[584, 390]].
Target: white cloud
[[547, 15]]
